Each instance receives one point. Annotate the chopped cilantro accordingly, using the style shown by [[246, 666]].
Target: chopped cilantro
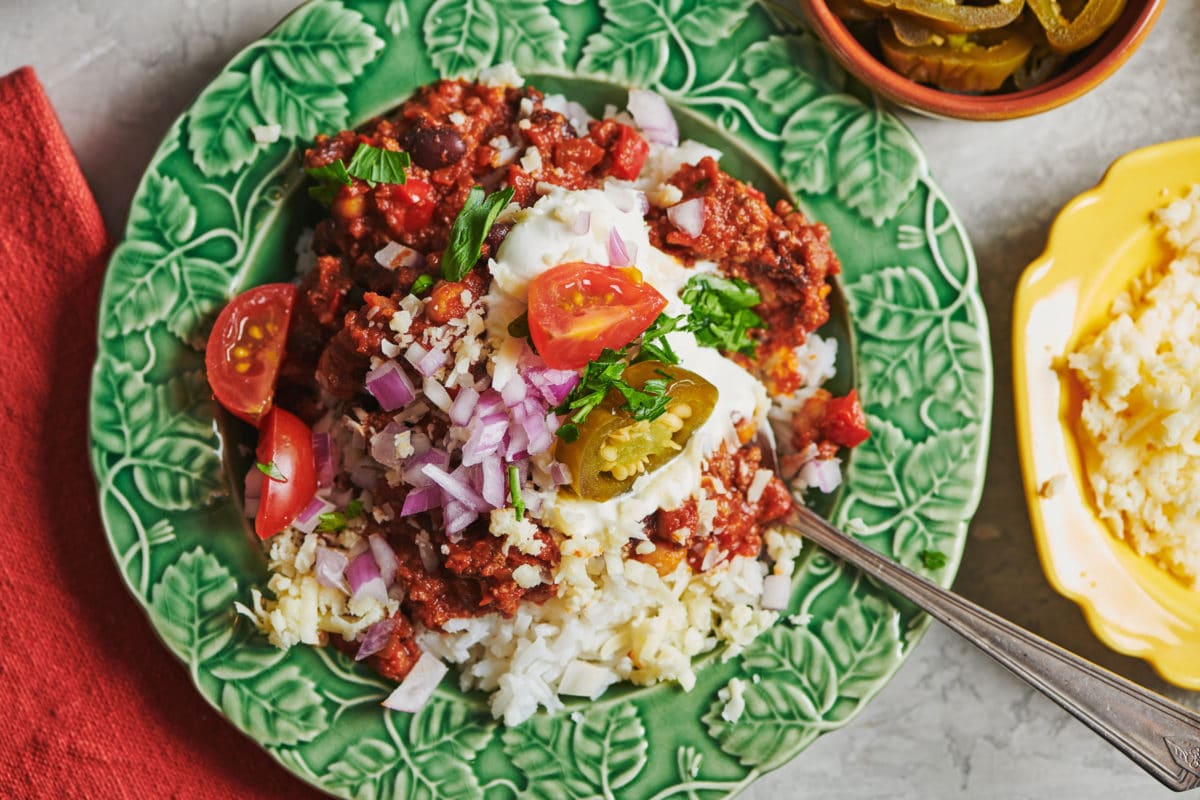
[[470, 228], [334, 521], [422, 284], [514, 489], [331, 522], [933, 559], [603, 375], [271, 471], [330, 178], [722, 315], [376, 165], [655, 346]]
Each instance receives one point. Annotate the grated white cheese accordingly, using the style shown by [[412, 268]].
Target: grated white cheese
[[1141, 413]]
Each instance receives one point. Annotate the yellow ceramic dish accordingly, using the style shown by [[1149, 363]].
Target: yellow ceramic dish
[[1099, 243]]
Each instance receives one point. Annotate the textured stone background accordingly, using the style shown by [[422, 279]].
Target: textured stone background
[[951, 724]]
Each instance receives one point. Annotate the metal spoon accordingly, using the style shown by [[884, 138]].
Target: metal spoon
[[1162, 737]]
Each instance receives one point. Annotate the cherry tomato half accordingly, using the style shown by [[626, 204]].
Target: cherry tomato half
[[245, 349], [844, 422], [285, 449], [628, 154], [578, 309]]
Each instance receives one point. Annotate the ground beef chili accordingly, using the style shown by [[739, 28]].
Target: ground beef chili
[[460, 135]]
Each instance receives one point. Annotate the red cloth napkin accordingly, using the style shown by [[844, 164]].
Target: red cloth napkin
[[94, 706]]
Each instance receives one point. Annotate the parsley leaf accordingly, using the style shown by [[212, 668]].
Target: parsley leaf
[[422, 284], [604, 375], [271, 471], [376, 165], [354, 509], [933, 559], [514, 490], [470, 228], [721, 312], [330, 178], [655, 346]]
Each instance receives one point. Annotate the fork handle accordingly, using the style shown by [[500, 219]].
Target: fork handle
[[1162, 737]]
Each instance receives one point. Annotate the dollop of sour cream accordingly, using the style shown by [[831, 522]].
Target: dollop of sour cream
[[546, 235]]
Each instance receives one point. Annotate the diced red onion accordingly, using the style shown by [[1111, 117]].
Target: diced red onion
[[376, 637], [490, 402], [383, 445], [359, 547], [308, 519], [652, 114], [455, 487], [412, 472], [415, 353], [418, 686], [777, 591], [688, 216], [324, 454], [397, 592], [463, 405], [492, 483], [421, 499], [363, 570], [618, 250], [385, 558], [390, 386], [518, 443], [436, 393], [485, 438], [513, 391], [394, 255], [643, 203], [456, 519], [374, 589], [825, 474], [560, 473], [538, 436], [582, 223], [431, 362], [331, 568]]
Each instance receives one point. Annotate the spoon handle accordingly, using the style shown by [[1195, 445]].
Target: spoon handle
[[1161, 737]]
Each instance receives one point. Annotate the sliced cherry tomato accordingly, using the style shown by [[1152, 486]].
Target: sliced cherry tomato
[[285, 452], [844, 423], [578, 309], [246, 347], [628, 154]]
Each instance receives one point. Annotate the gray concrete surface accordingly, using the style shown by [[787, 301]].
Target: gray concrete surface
[[951, 724]]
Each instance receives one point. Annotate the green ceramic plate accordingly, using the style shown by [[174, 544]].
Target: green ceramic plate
[[217, 212]]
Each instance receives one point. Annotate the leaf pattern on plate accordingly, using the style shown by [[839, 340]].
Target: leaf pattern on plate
[[593, 755], [461, 36], [209, 219], [797, 686]]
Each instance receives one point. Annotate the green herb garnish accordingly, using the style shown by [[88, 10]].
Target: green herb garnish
[[933, 559], [602, 376], [514, 490], [354, 509], [654, 345], [721, 312], [470, 228], [422, 284], [376, 165], [271, 471], [331, 522], [330, 178]]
